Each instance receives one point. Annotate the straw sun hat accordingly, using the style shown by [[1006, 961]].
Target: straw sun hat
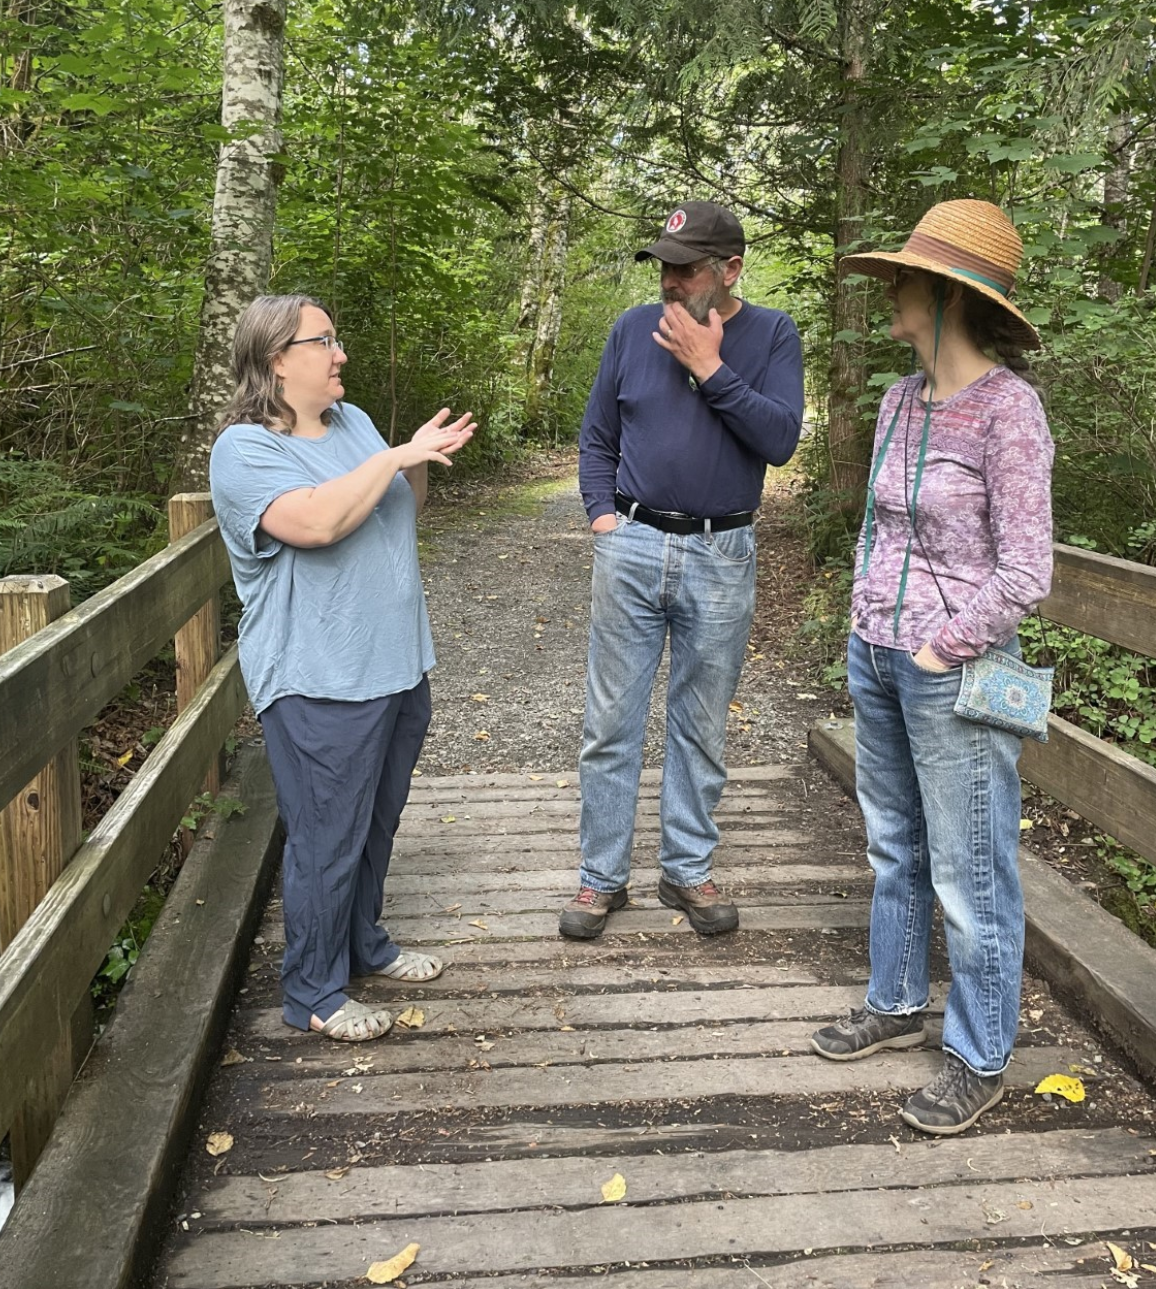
[[972, 242]]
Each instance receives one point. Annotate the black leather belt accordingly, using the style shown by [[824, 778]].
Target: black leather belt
[[682, 524]]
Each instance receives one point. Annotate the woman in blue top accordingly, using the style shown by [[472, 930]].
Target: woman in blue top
[[319, 521]]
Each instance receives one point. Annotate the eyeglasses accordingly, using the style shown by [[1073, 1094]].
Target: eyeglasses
[[686, 271], [330, 342]]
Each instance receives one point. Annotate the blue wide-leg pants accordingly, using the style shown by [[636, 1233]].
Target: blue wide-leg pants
[[342, 774]]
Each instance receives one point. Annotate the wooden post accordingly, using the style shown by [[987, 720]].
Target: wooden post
[[198, 642], [39, 833]]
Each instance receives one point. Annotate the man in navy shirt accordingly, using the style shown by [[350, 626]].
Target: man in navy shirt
[[694, 397]]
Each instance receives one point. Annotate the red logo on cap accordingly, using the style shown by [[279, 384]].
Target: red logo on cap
[[676, 221]]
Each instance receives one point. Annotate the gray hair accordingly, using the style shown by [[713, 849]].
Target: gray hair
[[265, 330]]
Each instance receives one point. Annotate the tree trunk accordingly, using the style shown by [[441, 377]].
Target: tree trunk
[[244, 206], [540, 308], [847, 442], [1115, 195]]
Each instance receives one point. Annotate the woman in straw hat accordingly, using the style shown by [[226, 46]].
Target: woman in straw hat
[[956, 548]]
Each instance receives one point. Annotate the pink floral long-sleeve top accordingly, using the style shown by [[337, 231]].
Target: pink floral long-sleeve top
[[983, 519]]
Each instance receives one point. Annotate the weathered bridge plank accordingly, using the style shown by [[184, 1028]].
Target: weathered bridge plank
[[492, 1242]]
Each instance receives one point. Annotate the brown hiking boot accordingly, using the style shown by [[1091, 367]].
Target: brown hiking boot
[[586, 914], [709, 913]]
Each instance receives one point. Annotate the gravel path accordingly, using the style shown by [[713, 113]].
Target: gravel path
[[508, 581]]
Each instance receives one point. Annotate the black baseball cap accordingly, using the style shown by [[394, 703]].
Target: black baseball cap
[[695, 229]]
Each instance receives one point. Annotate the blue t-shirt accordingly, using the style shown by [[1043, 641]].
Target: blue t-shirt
[[671, 444], [346, 621]]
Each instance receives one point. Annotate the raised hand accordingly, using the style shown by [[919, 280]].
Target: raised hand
[[438, 439], [696, 345]]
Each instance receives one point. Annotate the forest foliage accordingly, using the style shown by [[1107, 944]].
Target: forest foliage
[[465, 183]]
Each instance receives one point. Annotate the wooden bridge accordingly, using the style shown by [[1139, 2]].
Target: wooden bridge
[[548, 1114]]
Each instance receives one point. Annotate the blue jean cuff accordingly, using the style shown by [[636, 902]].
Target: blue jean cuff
[[983, 1074]]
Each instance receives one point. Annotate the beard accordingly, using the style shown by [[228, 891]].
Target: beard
[[698, 303]]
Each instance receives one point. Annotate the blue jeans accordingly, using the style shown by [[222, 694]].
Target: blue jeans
[[700, 588], [941, 800]]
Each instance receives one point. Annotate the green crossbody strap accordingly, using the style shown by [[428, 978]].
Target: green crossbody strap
[[869, 517]]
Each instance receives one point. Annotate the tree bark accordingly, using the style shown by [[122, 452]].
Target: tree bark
[[847, 442], [540, 308], [1115, 196], [244, 207]]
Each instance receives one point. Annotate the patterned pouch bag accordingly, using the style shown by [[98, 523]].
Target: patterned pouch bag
[[1002, 690]]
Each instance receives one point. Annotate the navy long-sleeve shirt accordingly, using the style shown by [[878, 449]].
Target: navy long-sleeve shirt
[[702, 450]]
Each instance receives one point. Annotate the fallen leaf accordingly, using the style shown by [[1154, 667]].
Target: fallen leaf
[[1129, 1279], [614, 1189], [1025, 824], [383, 1273], [736, 707], [449, 819], [1062, 1085], [233, 1057], [412, 1018], [479, 924], [219, 1143], [480, 698], [536, 778], [481, 736], [562, 783], [453, 908], [336, 1174], [676, 921], [567, 1029], [1121, 1259], [484, 1045], [1024, 1204], [124, 760]]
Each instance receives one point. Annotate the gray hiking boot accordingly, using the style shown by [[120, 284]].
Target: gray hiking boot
[[864, 1032], [586, 914], [709, 912], [953, 1100]]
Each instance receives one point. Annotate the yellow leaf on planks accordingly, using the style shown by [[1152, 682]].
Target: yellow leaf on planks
[[562, 783], [479, 924], [614, 1189], [535, 778], [449, 819], [219, 1143], [1121, 1259], [1062, 1085], [383, 1273], [412, 1018], [675, 921]]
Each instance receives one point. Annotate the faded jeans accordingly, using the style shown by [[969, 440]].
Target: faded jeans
[[700, 589], [941, 800]]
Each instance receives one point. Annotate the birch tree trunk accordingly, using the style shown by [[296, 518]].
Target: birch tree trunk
[[846, 441], [244, 206]]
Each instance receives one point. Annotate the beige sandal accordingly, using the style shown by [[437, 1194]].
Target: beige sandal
[[354, 1022], [413, 968]]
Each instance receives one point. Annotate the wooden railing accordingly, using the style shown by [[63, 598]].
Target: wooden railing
[[1116, 601], [62, 900]]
